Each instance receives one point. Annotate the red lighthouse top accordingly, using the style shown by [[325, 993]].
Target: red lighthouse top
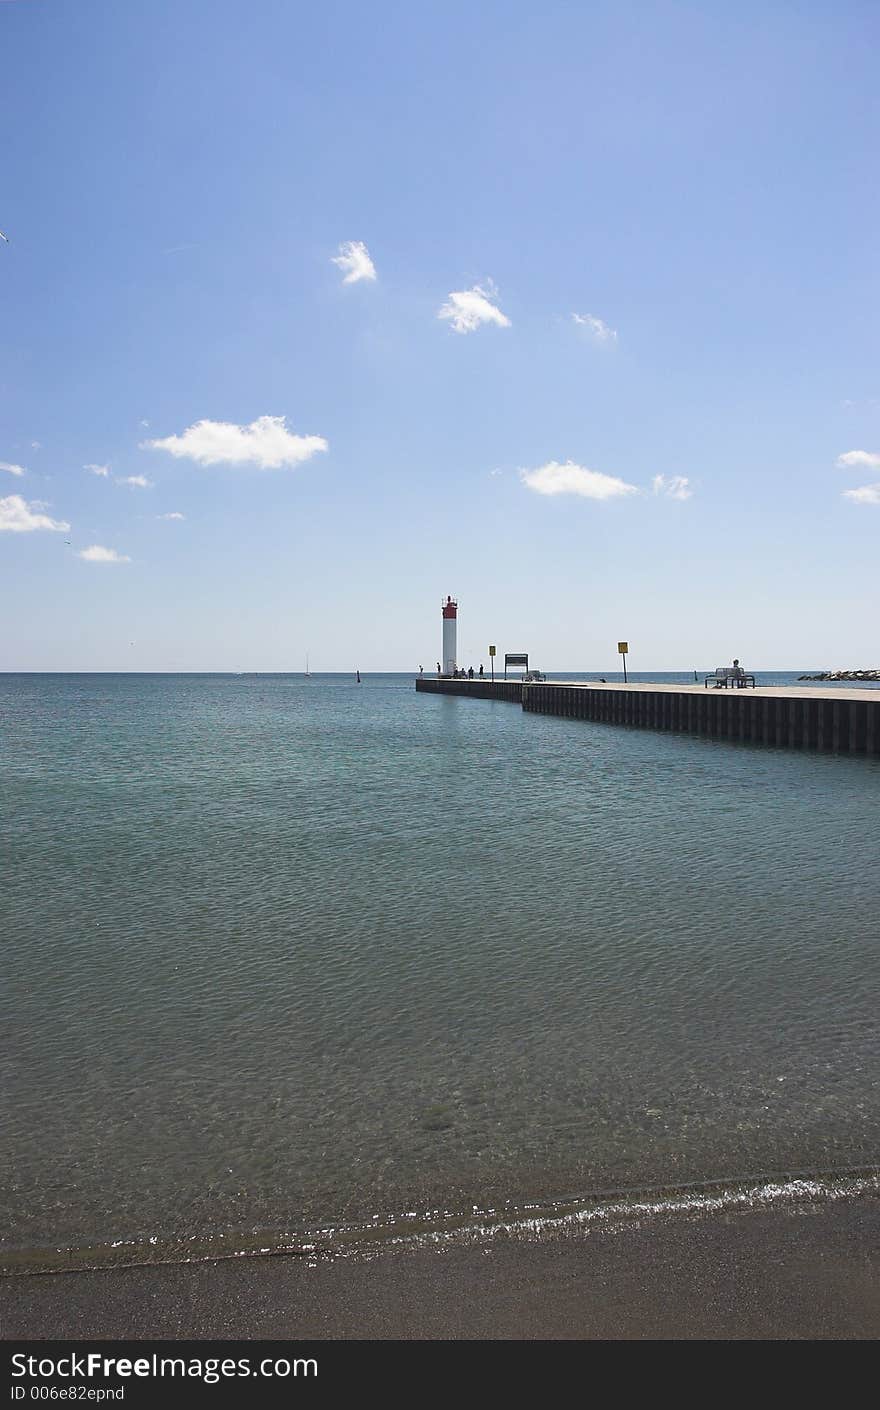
[[450, 608]]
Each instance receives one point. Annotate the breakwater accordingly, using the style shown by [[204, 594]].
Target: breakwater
[[476, 689], [843, 676], [845, 721]]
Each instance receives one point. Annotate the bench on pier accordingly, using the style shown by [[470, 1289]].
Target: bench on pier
[[732, 676]]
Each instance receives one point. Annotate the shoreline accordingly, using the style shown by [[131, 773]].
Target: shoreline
[[780, 1272], [443, 1225]]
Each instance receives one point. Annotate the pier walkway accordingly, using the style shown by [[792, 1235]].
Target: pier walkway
[[835, 719]]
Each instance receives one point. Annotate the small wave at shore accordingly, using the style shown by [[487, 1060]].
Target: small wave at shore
[[571, 1218]]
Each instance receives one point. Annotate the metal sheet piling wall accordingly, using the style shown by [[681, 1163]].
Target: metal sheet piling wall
[[477, 689], [822, 723]]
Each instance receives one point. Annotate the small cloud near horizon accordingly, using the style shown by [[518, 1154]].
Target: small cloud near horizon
[[676, 487], [866, 494], [173, 515], [102, 470], [12, 469], [556, 479], [17, 516], [97, 554], [138, 482], [597, 330], [859, 460], [354, 261], [469, 309], [266, 443]]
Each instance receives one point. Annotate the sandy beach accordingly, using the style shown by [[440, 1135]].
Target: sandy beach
[[772, 1274]]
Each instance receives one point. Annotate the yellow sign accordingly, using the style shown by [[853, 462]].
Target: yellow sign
[[623, 647], [491, 650]]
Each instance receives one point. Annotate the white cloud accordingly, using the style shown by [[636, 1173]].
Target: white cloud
[[858, 459], [173, 515], [143, 423], [553, 478], [493, 473], [102, 470], [12, 469], [97, 554], [354, 261], [866, 494], [467, 309], [598, 331], [36, 445], [139, 482], [676, 487], [266, 442], [19, 517]]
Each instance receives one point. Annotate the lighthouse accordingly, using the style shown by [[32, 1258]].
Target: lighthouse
[[448, 655]]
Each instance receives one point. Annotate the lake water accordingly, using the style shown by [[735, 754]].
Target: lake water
[[282, 956]]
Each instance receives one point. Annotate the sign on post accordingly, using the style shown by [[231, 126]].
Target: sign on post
[[492, 662], [623, 648]]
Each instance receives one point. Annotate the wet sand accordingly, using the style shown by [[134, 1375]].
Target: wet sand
[[811, 1273]]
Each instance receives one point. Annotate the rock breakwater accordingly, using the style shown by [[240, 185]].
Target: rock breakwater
[[843, 676]]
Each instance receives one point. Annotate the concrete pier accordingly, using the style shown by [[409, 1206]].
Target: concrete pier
[[795, 717]]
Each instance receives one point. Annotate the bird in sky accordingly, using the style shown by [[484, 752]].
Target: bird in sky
[[4, 237]]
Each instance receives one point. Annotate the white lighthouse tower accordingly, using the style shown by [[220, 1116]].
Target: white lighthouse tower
[[450, 625]]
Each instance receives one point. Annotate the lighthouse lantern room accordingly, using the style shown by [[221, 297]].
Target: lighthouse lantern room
[[450, 615]]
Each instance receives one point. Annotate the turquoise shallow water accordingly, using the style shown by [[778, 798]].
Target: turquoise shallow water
[[279, 954]]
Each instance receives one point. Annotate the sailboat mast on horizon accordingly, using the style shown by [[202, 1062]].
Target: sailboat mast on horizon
[[308, 672]]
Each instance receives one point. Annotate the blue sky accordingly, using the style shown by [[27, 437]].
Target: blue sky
[[700, 180]]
